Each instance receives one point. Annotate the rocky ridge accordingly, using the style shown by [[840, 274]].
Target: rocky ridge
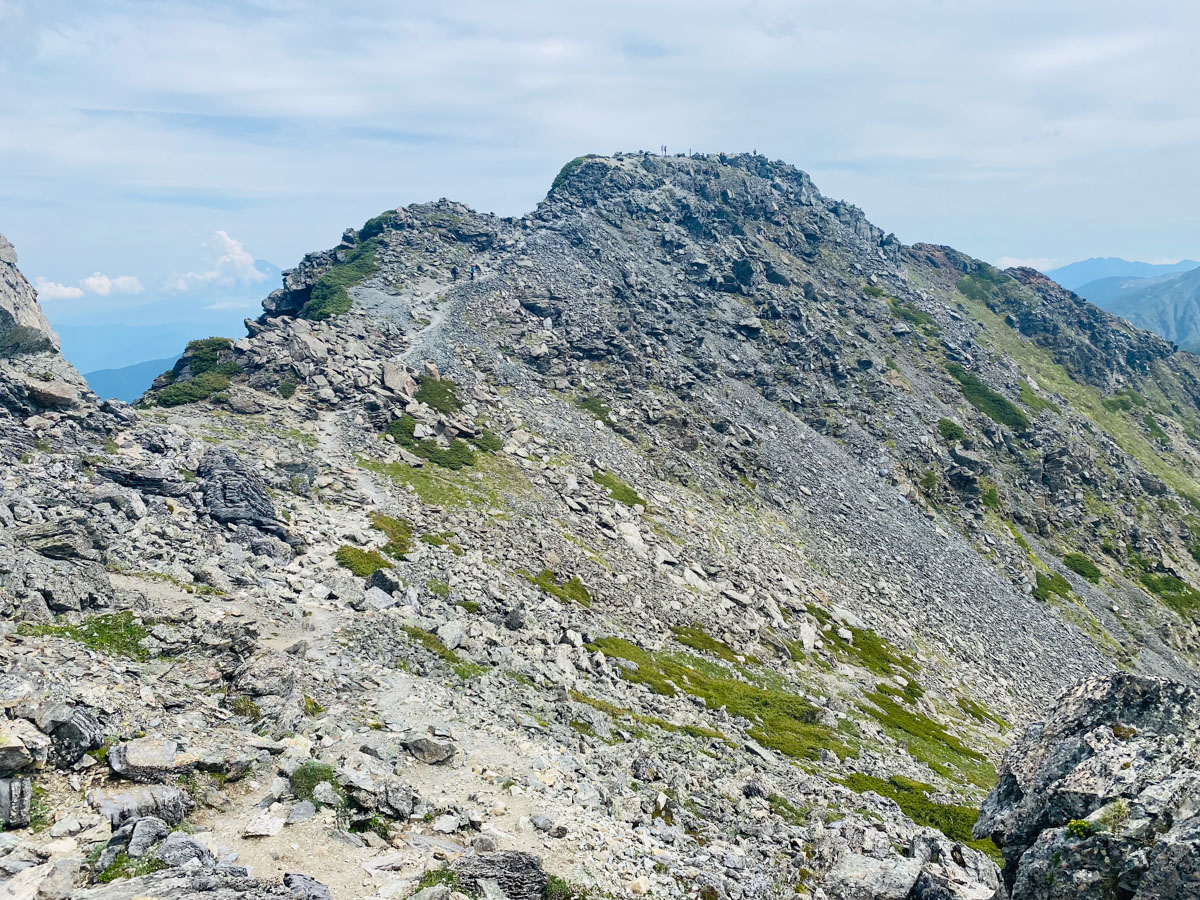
[[801, 517]]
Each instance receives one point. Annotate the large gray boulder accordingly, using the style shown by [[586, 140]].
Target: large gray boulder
[[1102, 800], [235, 495]]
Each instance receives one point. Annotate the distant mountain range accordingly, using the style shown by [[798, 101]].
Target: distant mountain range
[[1168, 305], [1077, 274], [130, 382]]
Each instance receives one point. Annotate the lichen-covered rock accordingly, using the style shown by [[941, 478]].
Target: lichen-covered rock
[[1101, 797]]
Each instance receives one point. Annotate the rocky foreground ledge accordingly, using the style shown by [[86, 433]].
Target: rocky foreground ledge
[[1102, 800]]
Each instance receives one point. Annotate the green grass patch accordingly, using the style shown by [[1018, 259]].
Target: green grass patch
[[114, 634], [794, 815], [782, 721], [287, 387], [572, 590], [1124, 401], [309, 774], [441, 589], [619, 713], [567, 171], [596, 407], [866, 648], [124, 866], [442, 540], [431, 642], [246, 708], [311, 707], [980, 713], [913, 315], [912, 797], [928, 741], [457, 455], [360, 562], [1174, 592], [1082, 566], [1082, 398], [1035, 401], [444, 487], [1052, 585], [1153, 428], [698, 639], [618, 489], [440, 394], [330, 295], [993, 405], [208, 355], [950, 431], [398, 533]]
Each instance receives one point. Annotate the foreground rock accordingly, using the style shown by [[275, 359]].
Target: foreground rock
[[1100, 801]]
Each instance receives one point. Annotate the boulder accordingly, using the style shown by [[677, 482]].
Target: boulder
[[23, 747], [124, 805], [150, 759], [235, 495]]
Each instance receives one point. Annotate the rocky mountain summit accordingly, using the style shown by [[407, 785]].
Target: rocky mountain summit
[[687, 536]]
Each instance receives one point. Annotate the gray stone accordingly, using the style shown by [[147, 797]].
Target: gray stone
[[147, 832], [16, 798]]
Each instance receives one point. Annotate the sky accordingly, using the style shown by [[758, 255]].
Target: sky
[[155, 154]]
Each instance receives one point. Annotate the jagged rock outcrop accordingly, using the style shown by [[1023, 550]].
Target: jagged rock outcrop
[[33, 375], [1102, 800]]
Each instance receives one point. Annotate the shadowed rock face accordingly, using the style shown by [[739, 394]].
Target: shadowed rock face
[[1099, 801]]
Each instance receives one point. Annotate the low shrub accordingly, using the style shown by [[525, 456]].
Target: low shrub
[[360, 562], [983, 398], [1082, 566], [950, 431]]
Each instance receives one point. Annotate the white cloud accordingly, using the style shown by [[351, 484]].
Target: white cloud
[[1040, 263], [233, 266], [232, 304], [99, 283], [52, 290]]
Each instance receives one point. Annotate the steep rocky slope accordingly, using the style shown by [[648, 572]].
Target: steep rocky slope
[[688, 533]]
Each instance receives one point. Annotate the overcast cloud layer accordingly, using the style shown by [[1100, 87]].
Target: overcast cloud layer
[[166, 144]]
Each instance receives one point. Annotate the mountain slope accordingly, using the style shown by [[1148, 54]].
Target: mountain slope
[[1077, 274], [688, 532], [1168, 305], [130, 382]]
